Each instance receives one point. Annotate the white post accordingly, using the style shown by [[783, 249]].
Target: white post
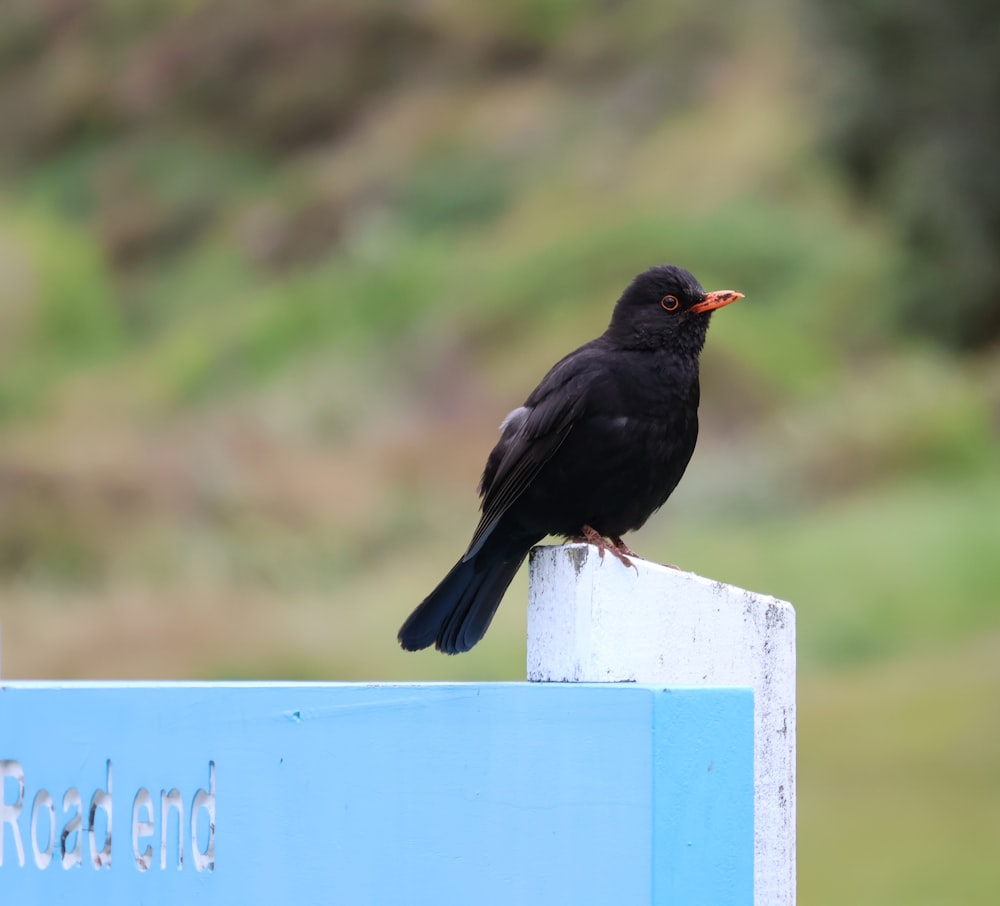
[[594, 620]]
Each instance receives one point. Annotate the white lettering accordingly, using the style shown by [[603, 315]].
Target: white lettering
[[142, 828], [84, 834], [168, 803], [204, 800], [43, 801], [72, 857], [9, 812], [101, 801]]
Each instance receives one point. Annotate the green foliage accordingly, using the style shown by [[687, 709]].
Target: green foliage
[[76, 317], [898, 779], [914, 96], [453, 190], [61, 314]]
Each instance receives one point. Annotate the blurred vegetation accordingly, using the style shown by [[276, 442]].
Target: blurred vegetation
[[272, 273], [913, 123]]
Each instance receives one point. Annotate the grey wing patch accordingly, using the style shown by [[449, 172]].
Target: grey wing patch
[[514, 419], [509, 428], [531, 437], [531, 434]]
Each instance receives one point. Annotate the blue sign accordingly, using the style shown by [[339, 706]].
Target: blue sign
[[279, 793]]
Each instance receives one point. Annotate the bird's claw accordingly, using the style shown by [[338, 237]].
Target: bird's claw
[[616, 546], [621, 546]]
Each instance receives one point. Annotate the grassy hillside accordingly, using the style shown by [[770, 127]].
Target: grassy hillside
[[271, 275]]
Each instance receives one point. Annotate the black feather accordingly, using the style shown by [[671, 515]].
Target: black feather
[[600, 443]]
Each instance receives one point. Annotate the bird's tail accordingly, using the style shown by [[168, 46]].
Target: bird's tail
[[458, 612]]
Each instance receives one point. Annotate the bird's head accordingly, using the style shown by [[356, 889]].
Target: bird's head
[[666, 305]]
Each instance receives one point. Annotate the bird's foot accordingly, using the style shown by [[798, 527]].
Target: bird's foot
[[622, 546], [615, 546]]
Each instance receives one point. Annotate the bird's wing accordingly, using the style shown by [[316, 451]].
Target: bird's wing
[[530, 436]]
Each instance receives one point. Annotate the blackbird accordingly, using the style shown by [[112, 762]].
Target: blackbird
[[595, 450]]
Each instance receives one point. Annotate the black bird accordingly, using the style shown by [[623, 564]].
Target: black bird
[[595, 450]]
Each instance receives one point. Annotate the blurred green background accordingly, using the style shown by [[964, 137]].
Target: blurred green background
[[272, 273]]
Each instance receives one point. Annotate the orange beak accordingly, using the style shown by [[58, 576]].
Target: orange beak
[[715, 300]]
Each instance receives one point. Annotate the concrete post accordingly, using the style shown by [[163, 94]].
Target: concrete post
[[594, 620]]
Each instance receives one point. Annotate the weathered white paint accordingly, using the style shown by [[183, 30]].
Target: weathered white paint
[[594, 620]]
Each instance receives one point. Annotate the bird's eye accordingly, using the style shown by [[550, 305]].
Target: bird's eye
[[670, 303]]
